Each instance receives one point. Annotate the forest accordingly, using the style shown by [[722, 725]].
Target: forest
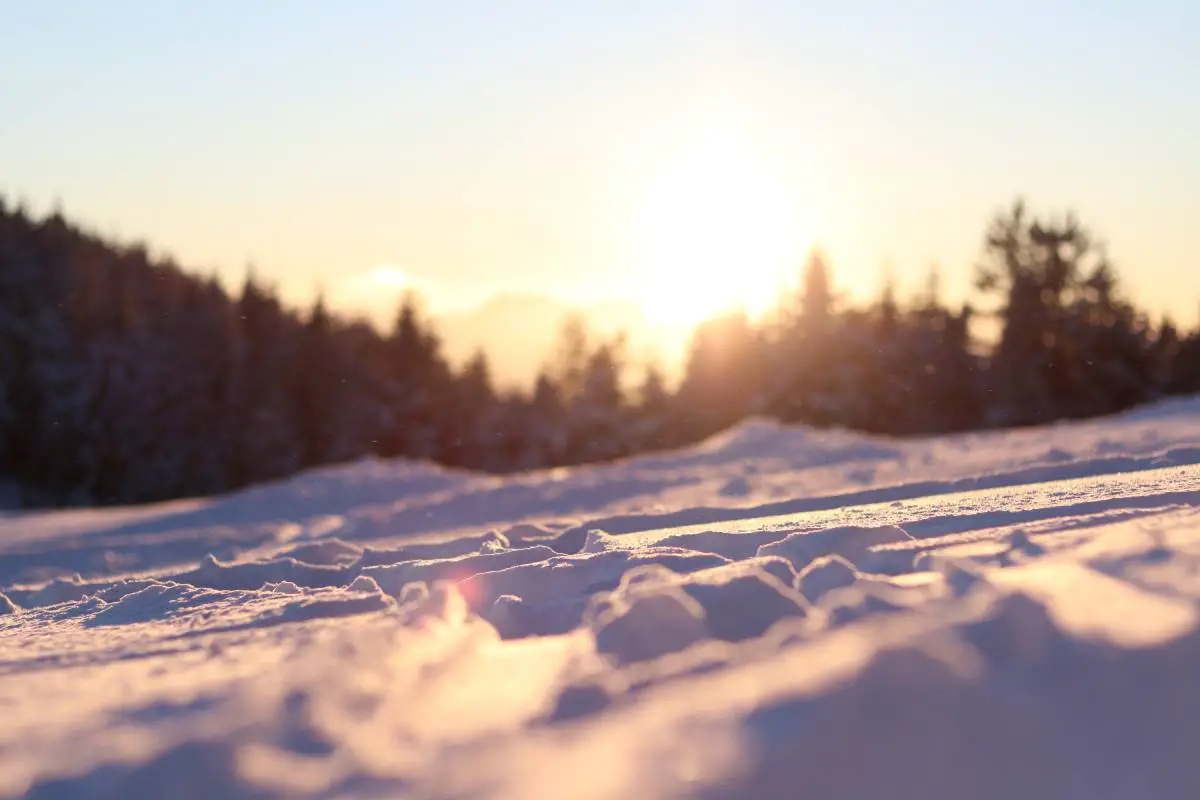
[[125, 378]]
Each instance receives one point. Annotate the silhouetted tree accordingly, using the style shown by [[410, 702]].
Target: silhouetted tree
[[469, 413], [723, 377], [569, 363], [547, 423], [1184, 371], [125, 379], [1069, 345], [418, 379], [266, 445], [655, 413], [596, 429], [807, 368]]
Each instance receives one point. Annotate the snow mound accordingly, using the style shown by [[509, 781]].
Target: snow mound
[[646, 619], [851, 543], [792, 446]]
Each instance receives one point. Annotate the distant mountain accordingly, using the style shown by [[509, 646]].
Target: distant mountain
[[520, 331]]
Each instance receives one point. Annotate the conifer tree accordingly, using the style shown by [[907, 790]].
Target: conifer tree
[[596, 420], [654, 413]]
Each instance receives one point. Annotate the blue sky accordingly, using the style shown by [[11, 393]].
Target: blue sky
[[480, 147]]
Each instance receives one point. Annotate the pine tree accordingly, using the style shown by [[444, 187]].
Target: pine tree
[[958, 398], [268, 444], [887, 370], [724, 375], [654, 413], [418, 381], [807, 368], [547, 430], [316, 378], [469, 419], [569, 363], [1070, 346], [48, 392], [1185, 366], [596, 417], [817, 301]]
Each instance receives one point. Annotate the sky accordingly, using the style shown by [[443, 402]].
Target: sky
[[676, 153]]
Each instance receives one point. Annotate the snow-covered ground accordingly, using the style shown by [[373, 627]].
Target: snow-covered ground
[[776, 613]]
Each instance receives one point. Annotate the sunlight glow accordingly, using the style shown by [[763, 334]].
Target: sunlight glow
[[387, 276], [375, 292], [718, 231]]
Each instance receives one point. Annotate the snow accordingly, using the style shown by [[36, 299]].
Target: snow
[[777, 612]]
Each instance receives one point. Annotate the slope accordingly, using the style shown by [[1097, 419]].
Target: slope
[[775, 612]]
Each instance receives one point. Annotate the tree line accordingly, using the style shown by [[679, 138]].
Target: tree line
[[125, 379]]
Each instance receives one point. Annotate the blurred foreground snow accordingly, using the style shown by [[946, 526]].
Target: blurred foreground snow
[[776, 613]]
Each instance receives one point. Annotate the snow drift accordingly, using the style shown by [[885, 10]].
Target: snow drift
[[777, 612]]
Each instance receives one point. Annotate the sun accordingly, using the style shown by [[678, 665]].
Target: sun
[[717, 231], [375, 293]]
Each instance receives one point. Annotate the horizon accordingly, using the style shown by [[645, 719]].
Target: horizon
[[584, 155], [539, 316]]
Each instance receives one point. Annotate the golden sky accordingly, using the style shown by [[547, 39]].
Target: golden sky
[[680, 154]]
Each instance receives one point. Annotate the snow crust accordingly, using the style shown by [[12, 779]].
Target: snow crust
[[776, 613]]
